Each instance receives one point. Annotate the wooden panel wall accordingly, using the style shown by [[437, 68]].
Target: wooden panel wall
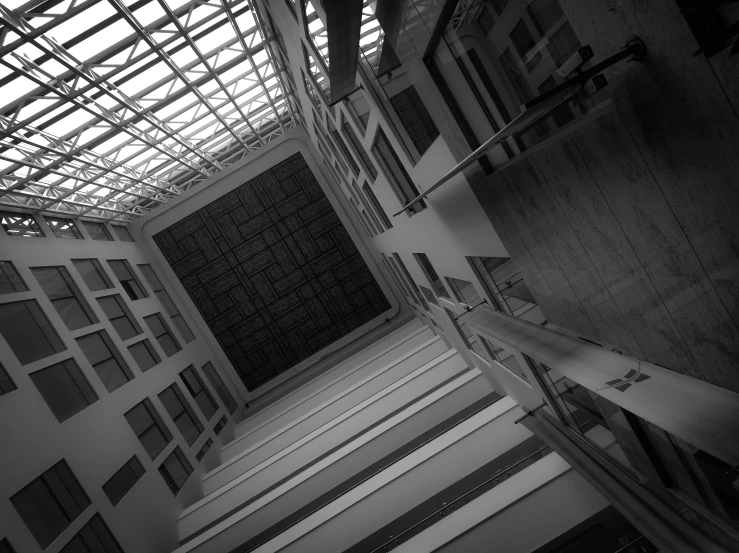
[[272, 271], [606, 254]]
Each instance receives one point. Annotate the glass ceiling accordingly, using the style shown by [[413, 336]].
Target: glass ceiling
[[109, 108]]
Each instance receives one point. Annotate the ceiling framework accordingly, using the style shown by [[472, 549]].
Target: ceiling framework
[[154, 97]]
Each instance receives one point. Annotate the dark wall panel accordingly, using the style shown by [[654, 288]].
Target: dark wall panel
[[272, 271]]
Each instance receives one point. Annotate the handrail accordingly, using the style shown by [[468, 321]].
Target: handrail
[[537, 108], [461, 497]]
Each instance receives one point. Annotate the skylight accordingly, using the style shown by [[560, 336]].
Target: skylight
[[111, 107]]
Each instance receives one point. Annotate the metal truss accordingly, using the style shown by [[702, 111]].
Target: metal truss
[[150, 99]]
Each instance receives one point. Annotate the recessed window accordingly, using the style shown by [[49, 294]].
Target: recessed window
[[429, 295], [395, 172], [65, 389], [50, 503], [403, 270], [10, 280], [342, 146], [119, 316], [203, 450], [6, 383], [65, 296], [161, 332], [123, 480], [122, 233], [169, 306], [105, 359], [372, 199], [175, 470], [220, 387], [199, 392], [97, 231], [24, 226], [359, 108], [93, 274], [95, 536], [362, 154], [123, 272], [182, 414], [28, 332], [149, 428], [144, 354], [430, 272], [220, 425], [415, 118], [63, 228], [464, 291], [5, 546]]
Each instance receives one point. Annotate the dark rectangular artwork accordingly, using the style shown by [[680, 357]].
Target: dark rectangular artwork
[[273, 271]]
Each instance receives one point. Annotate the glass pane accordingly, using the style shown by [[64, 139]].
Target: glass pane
[[122, 233], [143, 354], [72, 313], [111, 374], [43, 516], [93, 274], [10, 280], [97, 231], [125, 328], [153, 441], [63, 228], [28, 332], [61, 389]]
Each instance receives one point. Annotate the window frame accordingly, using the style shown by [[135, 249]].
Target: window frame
[[108, 539], [437, 285], [4, 274], [131, 290], [33, 225], [98, 269], [116, 499], [74, 294], [126, 313], [182, 459], [220, 425], [166, 302], [202, 452], [79, 379], [404, 195], [151, 350], [76, 234], [156, 421], [220, 387], [202, 396], [185, 410], [167, 332], [45, 328], [96, 234], [113, 354]]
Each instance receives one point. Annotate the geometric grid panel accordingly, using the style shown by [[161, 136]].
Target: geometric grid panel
[[108, 109], [272, 270]]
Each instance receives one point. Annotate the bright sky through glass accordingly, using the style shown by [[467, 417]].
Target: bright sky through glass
[[117, 106]]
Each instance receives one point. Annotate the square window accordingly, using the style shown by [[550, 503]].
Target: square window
[[144, 354], [93, 274], [10, 280], [199, 392], [119, 316], [122, 233], [220, 387], [24, 226], [65, 296], [181, 413], [28, 332], [105, 359], [6, 383], [98, 231], [149, 428], [123, 480], [175, 470], [63, 228], [50, 503], [161, 332], [123, 272], [95, 536], [64, 388]]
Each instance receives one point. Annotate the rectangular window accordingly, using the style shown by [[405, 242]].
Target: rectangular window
[[10, 280], [6, 383], [362, 154], [123, 272], [144, 354], [64, 388], [65, 296], [199, 392], [181, 413], [220, 425], [95, 536], [161, 332], [24, 226], [28, 332], [342, 146], [403, 270], [415, 118], [359, 108], [5, 546], [93, 274], [430, 272], [105, 359], [220, 387], [429, 295], [464, 291], [63, 228], [175, 470], [50, 503], [395, 172], [164, 298], [120, 317], [149, 428], [372, 199], [98, 231], [123, 480], [203, 450], [122, 233]]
